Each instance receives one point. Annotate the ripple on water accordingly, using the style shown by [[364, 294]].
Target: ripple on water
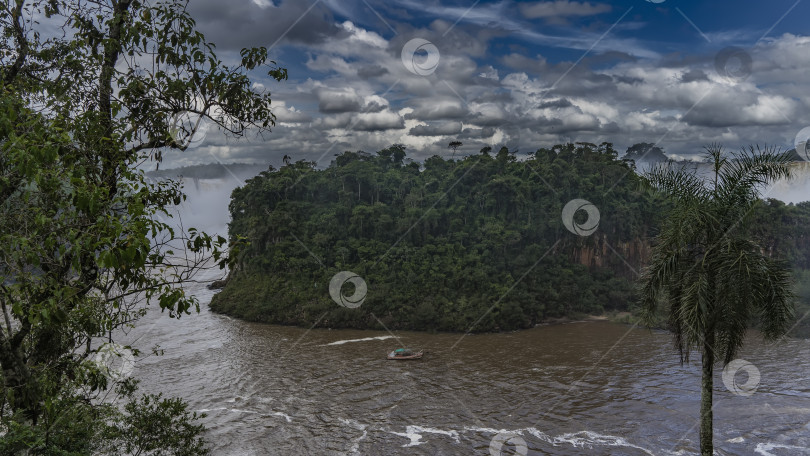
[[566, 390]]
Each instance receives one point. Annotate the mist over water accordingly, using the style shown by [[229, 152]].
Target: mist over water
[[206, 207], [796, 190]]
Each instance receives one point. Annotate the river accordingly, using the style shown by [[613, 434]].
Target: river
[[589, 388]]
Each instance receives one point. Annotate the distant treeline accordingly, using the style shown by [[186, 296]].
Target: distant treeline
[[477, 243]]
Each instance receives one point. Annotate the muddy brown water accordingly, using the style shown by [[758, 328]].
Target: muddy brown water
[[590, 388]]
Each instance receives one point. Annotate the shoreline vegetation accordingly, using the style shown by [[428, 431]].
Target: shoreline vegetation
[[475, 244]]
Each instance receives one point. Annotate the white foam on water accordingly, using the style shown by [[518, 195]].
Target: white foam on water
[[414, 433], [538, 434], [764, 448], [582, 439], [365, 339], [355, 449], [589, 439], [282, 414], [739, 439]]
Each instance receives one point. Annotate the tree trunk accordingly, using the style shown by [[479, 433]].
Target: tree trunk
[[706, 445]]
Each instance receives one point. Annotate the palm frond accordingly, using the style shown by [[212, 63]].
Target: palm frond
[[676, 183], [775, 308], [744, 177], [735, 295], [713, 278]]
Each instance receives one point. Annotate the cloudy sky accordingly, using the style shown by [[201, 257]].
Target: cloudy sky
[[366, 74]]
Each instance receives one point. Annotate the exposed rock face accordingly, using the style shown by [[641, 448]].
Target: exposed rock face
[[627, 256]]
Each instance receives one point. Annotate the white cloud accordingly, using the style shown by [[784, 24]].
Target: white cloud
[[359, 35], [360, 96], [336, 101], [375, 121]]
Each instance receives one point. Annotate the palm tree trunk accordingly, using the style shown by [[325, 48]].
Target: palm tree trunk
[[706, 445]]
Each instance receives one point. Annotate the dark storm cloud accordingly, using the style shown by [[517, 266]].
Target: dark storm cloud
[[235, 24], [491, 119], [446, 128], [371, 71], [621, 79], [494, 97], [375, 105], [284, 115], [559, 103], [732, 114], [378, 121], [694, 75], [438, 109], [476, 133], [331, 102]]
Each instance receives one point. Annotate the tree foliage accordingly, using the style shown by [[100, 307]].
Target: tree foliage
[[85, 238], [707, 268], [439, 244]]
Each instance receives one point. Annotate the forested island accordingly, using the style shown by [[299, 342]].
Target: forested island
[[442, 243]]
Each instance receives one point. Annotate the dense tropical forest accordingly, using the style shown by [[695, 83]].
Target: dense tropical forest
[[441, 243]]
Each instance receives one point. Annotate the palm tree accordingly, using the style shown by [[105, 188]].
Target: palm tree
[[706, 269]]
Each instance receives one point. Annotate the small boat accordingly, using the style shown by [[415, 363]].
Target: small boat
[[405, 353]]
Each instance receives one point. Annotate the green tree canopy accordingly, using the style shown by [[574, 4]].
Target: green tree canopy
[[84, 237]]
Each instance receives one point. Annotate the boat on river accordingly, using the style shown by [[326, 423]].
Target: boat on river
[[405, 353]]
